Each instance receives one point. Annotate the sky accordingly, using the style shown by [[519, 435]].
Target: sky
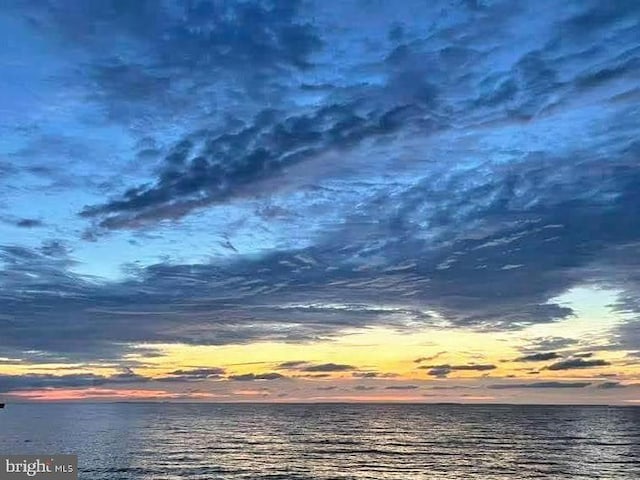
[[311, 201]]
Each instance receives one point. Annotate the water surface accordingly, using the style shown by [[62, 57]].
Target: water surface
[[296, 442]]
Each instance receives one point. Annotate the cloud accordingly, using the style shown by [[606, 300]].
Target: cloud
[[352, 178], [503, 386], [475, 367], [364, 374], [452, 387], [610, 385], [429, 358], [221, 170], [29, 223], [250, 377], [549, 343], [34, 381], [442, 371], [294, 364], [194, 374], [328, 367], [174, 48], [374, 374], [538, 357], [126, 375], [577, 363], [364, 388], [199, 371], [583, 355]]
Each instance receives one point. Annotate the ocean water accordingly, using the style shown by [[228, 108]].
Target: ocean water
[[296, 442]]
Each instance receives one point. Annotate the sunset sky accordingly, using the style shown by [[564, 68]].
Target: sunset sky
[[420, 201]]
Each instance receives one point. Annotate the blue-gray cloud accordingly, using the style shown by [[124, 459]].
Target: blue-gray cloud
[[193, 374], [573, 363], [538, 357], [442, 371], [9, 383], [29, 223], [460, 178]]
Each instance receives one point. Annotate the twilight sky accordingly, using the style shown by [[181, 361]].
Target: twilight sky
[[315, 201]]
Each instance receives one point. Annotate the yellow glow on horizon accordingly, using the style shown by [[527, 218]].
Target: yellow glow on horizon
[[376, 349]]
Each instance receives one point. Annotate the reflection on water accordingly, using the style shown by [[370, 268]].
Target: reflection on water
[[403, 442]]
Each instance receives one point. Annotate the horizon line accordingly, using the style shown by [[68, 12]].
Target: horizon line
[[177, 402]]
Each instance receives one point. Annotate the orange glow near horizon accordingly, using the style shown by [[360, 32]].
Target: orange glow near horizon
[[72, 394]]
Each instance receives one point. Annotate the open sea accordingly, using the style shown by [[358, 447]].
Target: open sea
[[343, 441]]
